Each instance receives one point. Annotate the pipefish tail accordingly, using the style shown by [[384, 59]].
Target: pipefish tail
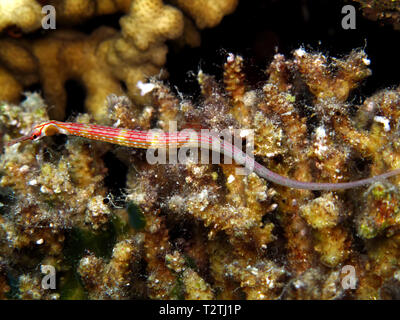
[[178, 139]]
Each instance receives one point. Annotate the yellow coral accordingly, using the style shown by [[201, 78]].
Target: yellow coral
[[322, 212], [10, 89], [151, 22], [207, 13], [101, 61], [195, 286], [72, 12], [333, 245], [110, 280], [322, 82], [25, 14]]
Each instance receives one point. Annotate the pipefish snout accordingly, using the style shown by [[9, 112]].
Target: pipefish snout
[[147, 140]]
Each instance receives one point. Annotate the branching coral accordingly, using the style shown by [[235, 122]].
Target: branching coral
[[316, 228], [193, 286], [206, 13], [25, 14], [102, 61], [75, 177], [115, 279], [71, 12], [140, 27], [43, 182], [206, 230]]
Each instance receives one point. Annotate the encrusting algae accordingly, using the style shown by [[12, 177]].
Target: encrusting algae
[[204, 231]]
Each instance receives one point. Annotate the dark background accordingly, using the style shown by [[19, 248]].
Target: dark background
[[257, 27]]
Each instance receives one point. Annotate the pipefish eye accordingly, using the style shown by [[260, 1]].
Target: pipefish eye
[[35, 135]]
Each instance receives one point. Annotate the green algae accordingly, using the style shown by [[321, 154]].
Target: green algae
[[136, 216], [71, 287], [78, 241]]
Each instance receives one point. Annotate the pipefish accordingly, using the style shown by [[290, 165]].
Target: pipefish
[[178, 139]]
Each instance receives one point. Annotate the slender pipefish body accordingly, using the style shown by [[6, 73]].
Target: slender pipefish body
[[147, 140]]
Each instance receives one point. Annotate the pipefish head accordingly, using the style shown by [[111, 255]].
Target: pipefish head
[[48, 128]]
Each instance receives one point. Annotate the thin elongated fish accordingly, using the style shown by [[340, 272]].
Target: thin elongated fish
[[149, 139]]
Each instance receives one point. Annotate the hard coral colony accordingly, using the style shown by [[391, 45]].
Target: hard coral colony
[[190, 230]]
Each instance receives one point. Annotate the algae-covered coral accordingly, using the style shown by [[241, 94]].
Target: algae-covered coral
[[191, 230], [207, 229]]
